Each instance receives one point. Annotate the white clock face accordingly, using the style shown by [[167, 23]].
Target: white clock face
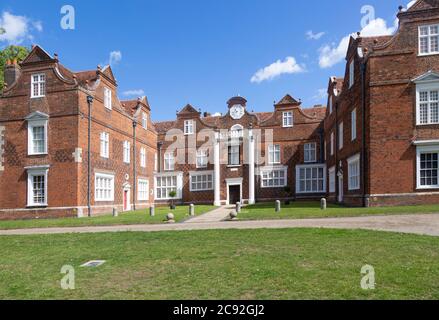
[[237, 112]]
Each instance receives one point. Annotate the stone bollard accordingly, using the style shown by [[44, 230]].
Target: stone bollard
[[278, 206], [170, 218], [238, 207], [115, 212], [192, 210], [323, 204], [152, 211], [233, 215]]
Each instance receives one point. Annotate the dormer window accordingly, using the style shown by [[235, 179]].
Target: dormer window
[[351, 73], [287, 119], [429, 39], [38, 85], [144, 120], [37, 133], [107, 99], [189, 127]]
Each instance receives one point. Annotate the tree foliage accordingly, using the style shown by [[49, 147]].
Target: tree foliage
[[11, 53]]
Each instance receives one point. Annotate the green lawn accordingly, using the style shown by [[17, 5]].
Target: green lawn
[[227, 264], [303, 210], [134, 217]]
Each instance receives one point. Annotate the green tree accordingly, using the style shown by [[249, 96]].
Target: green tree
[[11, 53]]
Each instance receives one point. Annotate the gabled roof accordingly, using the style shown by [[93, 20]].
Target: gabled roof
[[37, 54], [430, 76], [189, 110], [37, 115], [108, 72], [424, 5], [288, 100]]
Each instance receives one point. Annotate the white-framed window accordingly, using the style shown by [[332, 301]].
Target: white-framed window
[[427, 104], [169, 162], [310, 152], [37, 186], [37, 136], [202, 158], [156, 162], [429, 39], [331, 101], [143, 157], [287, 119], [107, 98], [311, 178], [340, 135], [126, 151], [354, 172], [331, 174], [234, 151], [201, 181], [38, 89], [144, 120], [332, 143], [427, 165], [166, 183], [105, 144], [351, 73], [274, 177], [274, 154], [354, 124], [143, 190], [104, 187], [188, 127]]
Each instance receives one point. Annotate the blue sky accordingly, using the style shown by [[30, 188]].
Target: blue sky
[[202, 51]]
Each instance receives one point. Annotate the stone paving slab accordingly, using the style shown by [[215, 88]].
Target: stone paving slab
[[422, 224], [215, 215]]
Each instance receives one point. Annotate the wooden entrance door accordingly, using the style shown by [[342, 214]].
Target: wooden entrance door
[[234, 194]]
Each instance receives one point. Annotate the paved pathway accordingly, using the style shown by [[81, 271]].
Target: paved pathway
[[216, 215], [425, 224]]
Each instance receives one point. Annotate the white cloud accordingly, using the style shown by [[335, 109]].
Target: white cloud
[[134, 93], [16, 28], [38, 25], [288, 66], [115, 57], [314, 36], [332, 54]]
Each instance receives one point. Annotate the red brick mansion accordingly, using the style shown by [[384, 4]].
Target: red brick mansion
[[70, 147]]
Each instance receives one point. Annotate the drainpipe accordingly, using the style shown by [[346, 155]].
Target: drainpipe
[[363, 157], [322, 145], [134, 164], [89, 102]]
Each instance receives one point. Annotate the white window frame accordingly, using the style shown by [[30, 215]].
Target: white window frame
[[169, 163], [108, 99], [331, 174], [156, 162], [354, 162], [287, 119], [274, 154], [332, 143], [310, 152], [126, 152], [233, 151], [422, 150], [105, 145], [268, 174], [143, 157], [178, 188], [109, 187], [201, 174], [426, 87], [31, 173], [144, 120], [189, 126], [429, 36], [30, 126], [41, 85], [202, 158], [351, 73], [354, 124], [143, 189], [319, 168], [340, 136]]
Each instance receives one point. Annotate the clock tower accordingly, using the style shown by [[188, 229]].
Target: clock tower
[[237, 107]]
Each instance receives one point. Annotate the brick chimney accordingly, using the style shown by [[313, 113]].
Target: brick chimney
[[12, 72]]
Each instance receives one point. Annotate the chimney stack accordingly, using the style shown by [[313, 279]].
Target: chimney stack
[[12, 72]]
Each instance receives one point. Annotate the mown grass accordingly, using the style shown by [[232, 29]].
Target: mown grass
[[303, 210], [127, 218], [227, 264]]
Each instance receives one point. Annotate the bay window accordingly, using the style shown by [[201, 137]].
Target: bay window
[[166, 183], [311, 178]]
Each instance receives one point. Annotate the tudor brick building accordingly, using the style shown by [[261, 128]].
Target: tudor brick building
[[44, 121], [382, 123]]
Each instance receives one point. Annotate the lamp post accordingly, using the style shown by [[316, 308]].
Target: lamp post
[[89, 102]]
